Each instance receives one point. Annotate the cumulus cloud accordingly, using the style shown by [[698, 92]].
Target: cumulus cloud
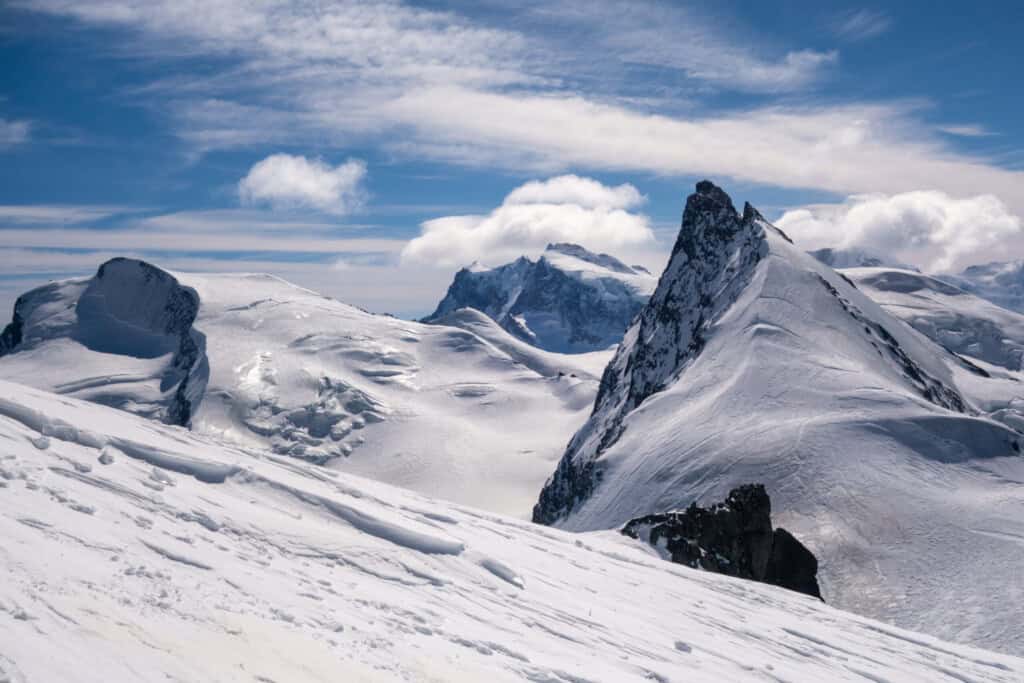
[[930, 229], [562, 209], [572, 189], [286, 181]]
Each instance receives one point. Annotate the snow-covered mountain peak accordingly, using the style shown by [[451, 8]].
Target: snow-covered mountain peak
[[578, 252], [1000, 283], [62, 331], [957, 319], [712, 261], [754, 362], [856, 258], [568, 300]]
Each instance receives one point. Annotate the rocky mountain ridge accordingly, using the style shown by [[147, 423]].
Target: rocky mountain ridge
[[753, 361], [569, 300]]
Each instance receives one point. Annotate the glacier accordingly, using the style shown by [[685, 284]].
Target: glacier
[[463, 411]]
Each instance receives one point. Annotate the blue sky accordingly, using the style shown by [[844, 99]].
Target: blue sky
[[367, 149]]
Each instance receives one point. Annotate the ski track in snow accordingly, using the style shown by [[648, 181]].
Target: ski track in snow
[[282, 571]]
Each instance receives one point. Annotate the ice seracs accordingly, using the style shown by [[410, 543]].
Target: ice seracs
[[880, 449], [1001, 283], [179, 557], [569, 300], [956, 319]]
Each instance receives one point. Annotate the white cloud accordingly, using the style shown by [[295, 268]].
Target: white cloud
[[967, 130], [930, 229], [861, 24], [13, 132], [572, 189], [39, 214], [562, 209], [185, 241], [288, 182], [558, 95], [673, 36], [843, 149]]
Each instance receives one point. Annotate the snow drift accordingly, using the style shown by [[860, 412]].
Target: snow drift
[[138, 551]]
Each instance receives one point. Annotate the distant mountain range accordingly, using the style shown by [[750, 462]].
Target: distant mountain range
[[462, 410], [569, 300]]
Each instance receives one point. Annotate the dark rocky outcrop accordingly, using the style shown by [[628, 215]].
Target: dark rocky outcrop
[[130, 294], [734, 537], [12, 334], [129, 308]]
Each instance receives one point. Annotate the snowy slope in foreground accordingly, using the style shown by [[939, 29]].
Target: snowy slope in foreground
[[568, 300], [472, 416], [138, 551], [753, 362]]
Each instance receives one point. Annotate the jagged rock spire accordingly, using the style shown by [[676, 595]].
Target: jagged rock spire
[[712, 262]]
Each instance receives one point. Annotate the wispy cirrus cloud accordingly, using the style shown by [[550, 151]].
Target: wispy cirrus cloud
[[860, 24], [844, 149], [966, 130], [14, 132], [555, 95], [178, 241], [61, 214], [680, 38]]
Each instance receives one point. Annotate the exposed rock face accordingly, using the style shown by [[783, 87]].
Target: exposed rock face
[[12, 334], [734, 537], [135, 308], [569, 300], [712, 261], [129, 308]]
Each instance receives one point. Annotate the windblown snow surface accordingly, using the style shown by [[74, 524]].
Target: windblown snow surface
[[472, 415], [135, 550], [881, 450]]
